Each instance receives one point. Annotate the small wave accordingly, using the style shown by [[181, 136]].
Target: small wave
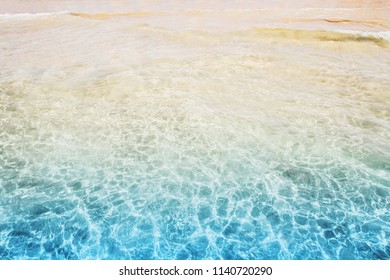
[[378, 38], [384, 35]]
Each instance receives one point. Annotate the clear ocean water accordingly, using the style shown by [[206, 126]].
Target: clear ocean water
[[194, 131]]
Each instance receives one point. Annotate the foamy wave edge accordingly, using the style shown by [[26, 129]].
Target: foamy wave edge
[[380, 38], [32, 15]]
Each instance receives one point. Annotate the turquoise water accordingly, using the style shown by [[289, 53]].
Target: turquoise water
[[122, 141]]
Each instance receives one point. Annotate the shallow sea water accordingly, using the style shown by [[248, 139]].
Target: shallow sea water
[[161, 134]]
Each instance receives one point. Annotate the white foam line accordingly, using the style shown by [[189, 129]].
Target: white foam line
[[379, 34], [31, 15]]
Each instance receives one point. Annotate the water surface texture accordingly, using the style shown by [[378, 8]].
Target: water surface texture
[[194, 130]]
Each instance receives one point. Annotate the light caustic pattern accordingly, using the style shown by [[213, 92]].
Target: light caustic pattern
[[136, 142]]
